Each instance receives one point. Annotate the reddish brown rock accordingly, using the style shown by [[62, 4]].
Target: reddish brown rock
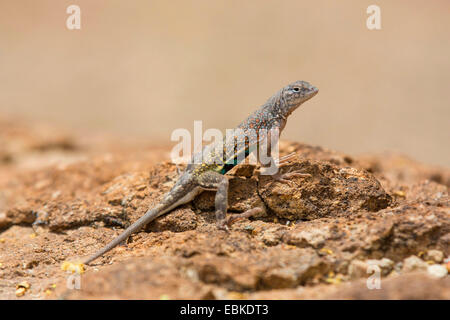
[[316, 238], [329, 191]]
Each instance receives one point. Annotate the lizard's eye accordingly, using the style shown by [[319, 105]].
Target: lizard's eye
[[296, 89]]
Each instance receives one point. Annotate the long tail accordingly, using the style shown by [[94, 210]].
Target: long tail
[[151, 215]]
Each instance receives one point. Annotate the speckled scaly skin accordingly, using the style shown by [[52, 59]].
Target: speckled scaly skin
[[209, 174]]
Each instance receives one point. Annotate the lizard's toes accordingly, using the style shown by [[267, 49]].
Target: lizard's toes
[[290, 175], [285, 178]]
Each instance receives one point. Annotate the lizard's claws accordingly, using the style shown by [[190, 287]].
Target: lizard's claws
[[284, 160], [232, 218], [284, 178]]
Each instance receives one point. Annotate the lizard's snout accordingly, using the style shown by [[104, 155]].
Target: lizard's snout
[[313, 90]]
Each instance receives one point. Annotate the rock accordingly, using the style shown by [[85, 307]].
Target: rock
[[181, 219], [281, 278], [358, 269], [400, 168], [4, 220], [386, 265], [271, 236], [293, 269], [427, 191], [244, 170], [411, 286], [414, 263], [314, 237], [361, 269], [434, 255], [319, 230], [437, 271], [329, 191]]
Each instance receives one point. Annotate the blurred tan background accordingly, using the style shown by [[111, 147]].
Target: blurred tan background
[[145, 68]]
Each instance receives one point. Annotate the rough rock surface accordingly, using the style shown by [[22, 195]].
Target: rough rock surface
[[320, 237]]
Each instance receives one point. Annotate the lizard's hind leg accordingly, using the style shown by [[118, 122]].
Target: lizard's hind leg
[[215, 181]]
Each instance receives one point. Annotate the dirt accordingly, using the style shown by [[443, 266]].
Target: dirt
[[64, 196]]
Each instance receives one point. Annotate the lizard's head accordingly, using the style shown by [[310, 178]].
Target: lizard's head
[[295, 94]]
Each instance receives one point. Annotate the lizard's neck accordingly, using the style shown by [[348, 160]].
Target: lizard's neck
[[276, 109]]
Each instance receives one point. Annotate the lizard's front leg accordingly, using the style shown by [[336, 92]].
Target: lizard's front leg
[[284, 177], [268, 167], [214, 181], [284, 161]]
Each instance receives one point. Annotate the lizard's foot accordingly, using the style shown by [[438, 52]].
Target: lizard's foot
[[284, 160], [285, 178], [232, 218]]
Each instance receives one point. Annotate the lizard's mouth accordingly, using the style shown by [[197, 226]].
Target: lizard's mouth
[[313, 91]]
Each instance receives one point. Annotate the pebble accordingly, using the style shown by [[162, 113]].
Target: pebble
[[358, 268], [20, 292], [386, 265], [434, 255], [437, 271], [270, 237], [22, 288], [414, 263]]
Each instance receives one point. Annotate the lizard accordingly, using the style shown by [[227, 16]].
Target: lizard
[[210, 173]]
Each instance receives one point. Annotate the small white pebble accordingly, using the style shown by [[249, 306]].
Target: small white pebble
[[437, 271]]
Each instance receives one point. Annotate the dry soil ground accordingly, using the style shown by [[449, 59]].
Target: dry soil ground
[[63, 196]]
